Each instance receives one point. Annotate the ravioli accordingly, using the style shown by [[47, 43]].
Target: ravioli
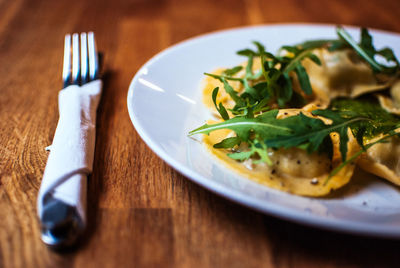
[[383, 160], [392, 103], [342, 74], [293, 170]]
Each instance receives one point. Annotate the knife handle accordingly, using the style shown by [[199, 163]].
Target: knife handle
[[61, 223]]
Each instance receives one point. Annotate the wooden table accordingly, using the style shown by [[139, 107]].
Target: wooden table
[[142, 213]]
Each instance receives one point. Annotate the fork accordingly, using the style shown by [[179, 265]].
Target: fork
[[62, 223], [87, 70]]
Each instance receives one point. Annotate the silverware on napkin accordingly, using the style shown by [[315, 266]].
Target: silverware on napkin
[[62, 194]]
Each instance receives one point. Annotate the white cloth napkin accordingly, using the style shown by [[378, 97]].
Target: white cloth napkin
[[71, 154]]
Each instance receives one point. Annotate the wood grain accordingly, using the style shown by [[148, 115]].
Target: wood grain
[[142, 212]]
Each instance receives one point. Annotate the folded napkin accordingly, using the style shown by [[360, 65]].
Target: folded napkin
[[71, 153]]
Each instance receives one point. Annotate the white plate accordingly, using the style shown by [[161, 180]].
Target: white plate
[[164, 103]]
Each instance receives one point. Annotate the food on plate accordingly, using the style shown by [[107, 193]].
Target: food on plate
[[300, 120], [383, 160], [293, 169]]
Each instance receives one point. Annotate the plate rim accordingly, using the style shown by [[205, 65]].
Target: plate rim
[[272, 209]]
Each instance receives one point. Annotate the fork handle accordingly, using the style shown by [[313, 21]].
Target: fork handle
[[71, 157]]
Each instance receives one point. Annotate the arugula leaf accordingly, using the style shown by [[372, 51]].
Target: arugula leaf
[[262, 53], [228, 143], [292, 62], [247, 52], [388, 54], [304, 80], [220, 107], [232, 71], [228, 88], [252, 91], [286, 90], [242, 156], [264, 125], [314, 58], [256, 148], [380, 121], [366, 42], [367, 51]]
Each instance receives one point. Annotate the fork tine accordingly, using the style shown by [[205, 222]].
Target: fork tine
[[66, 75], [84, 58], [75, 59], [93, 60]]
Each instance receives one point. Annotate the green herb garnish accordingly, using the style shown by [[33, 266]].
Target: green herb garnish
[[256, 124], [276, 85], [305, 132], [368, 52]]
